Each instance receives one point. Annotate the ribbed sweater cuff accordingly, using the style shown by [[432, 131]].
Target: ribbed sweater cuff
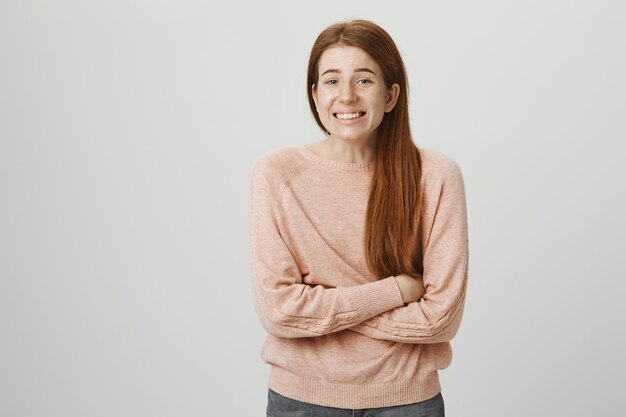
[[376, 297]]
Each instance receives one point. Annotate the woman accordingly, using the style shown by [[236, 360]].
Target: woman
[[358, 244]]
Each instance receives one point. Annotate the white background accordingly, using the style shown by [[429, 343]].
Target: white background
[[127, 133]]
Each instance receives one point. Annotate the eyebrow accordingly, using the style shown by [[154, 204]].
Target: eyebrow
[[357, 70]]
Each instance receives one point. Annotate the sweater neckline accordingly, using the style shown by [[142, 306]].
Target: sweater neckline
[[331, 163]]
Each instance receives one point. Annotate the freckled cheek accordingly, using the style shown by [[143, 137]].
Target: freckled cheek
[[325, 101]]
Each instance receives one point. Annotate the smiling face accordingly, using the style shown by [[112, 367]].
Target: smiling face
[[351, 96]]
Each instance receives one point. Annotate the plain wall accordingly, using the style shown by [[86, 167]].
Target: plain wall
[[127, 134]]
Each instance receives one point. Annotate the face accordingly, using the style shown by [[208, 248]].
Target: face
[[350, 95]]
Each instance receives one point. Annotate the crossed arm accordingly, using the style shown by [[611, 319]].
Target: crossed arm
[[288, 308]]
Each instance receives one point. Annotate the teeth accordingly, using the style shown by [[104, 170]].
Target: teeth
[[347, 116]]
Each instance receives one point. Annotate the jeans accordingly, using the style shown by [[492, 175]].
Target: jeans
[[280, 406]]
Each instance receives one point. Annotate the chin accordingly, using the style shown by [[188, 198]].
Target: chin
[[353, 133]]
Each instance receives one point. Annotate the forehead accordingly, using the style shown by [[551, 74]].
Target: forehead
[[346, 58]]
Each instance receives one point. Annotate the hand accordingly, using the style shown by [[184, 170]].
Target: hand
[[411, 288]]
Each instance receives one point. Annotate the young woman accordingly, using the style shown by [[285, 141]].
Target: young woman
[[358, 244]]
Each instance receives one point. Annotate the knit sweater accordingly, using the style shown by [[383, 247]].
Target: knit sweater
[[338, 336]]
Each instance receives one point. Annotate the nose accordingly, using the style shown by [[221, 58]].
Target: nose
[[347, 93]]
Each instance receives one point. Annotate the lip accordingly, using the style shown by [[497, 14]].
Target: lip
[[349, 111]]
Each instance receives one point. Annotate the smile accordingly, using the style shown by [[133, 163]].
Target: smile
[[349, 116]]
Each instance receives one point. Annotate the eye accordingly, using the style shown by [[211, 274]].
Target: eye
[[366, 81], [331, 82]]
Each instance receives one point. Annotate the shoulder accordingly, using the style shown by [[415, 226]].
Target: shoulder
[[283, 161], [276, 155], [439, 166], [277, 167]]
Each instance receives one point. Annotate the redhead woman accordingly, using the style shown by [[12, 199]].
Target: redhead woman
[[358, 244]]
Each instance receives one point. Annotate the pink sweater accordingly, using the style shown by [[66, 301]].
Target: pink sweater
[[337, 335]]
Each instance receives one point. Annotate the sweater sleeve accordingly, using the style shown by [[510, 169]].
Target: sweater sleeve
[[286, 307], [437, 316]]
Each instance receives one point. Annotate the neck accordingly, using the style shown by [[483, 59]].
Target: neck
[[348, 151]]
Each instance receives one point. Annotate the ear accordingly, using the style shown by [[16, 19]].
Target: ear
[[392, 97], [314, 94]]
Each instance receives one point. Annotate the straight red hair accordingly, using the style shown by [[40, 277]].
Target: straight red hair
[[394, 209]]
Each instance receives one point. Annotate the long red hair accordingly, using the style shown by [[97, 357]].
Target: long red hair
[[394, 209]]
